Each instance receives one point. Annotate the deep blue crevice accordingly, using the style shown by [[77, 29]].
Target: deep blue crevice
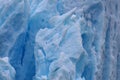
[[107, 54]]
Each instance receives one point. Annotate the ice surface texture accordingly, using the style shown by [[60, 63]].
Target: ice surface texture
[[59, 40]]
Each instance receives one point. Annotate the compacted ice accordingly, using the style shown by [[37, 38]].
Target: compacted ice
[[59, 40]]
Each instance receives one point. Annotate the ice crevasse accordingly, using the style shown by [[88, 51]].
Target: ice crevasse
[[59, 40]]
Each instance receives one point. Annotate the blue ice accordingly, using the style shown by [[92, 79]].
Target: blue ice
[[59, 40]]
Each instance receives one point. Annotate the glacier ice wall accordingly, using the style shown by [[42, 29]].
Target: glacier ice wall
[[59, 40]]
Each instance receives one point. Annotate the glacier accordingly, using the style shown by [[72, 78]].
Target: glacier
[[59, 40]]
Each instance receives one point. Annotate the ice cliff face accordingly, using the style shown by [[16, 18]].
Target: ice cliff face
[[59, 40]]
